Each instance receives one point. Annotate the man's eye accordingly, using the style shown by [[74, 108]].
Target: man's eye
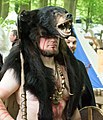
[[74, 42]]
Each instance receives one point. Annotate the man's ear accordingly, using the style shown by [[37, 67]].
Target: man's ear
[[26, 20], [27, 16]]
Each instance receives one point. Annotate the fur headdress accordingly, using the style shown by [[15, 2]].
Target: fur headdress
[[47, 21]]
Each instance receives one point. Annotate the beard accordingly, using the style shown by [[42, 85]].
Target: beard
[[47, 53]]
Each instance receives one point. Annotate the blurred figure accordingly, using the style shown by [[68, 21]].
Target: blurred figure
[[87, 98], [13, 37], [4, 47], [1, 61]]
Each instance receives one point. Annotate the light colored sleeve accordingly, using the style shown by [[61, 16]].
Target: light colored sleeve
[[8, 85]]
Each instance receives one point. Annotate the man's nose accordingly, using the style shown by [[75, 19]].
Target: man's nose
[[71, 44]]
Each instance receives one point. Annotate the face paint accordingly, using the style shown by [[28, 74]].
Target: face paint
[[49, 46], [42, 43]]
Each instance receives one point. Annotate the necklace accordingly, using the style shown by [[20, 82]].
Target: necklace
[[56, 97]]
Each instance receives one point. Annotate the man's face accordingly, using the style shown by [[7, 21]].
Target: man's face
[[12, 37], [49, 46], [71, 43]]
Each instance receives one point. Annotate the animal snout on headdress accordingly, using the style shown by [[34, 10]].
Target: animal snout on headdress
[[48, 21]]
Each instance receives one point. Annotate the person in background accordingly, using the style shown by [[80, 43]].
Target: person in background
[[71, 43], [4, 47], [13, 37], [87, 98]]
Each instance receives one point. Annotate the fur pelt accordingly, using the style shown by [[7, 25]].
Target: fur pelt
[[39, 80]]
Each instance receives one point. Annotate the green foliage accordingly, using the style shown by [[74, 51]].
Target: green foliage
[[7, 24], [1, 20], [87, 9], [36, 3], [91, 10]]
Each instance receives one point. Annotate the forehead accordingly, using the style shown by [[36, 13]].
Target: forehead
[[11, 33], [71, 38]]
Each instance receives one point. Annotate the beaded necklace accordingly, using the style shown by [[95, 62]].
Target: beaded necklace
[[58, 92]]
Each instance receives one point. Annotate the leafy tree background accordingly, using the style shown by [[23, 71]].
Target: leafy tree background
[[90, 11]]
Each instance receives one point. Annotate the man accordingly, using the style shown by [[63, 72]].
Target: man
[[13, 37], [40, 67], [87, 98]]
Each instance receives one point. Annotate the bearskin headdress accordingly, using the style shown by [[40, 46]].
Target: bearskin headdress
[[47, 21]]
